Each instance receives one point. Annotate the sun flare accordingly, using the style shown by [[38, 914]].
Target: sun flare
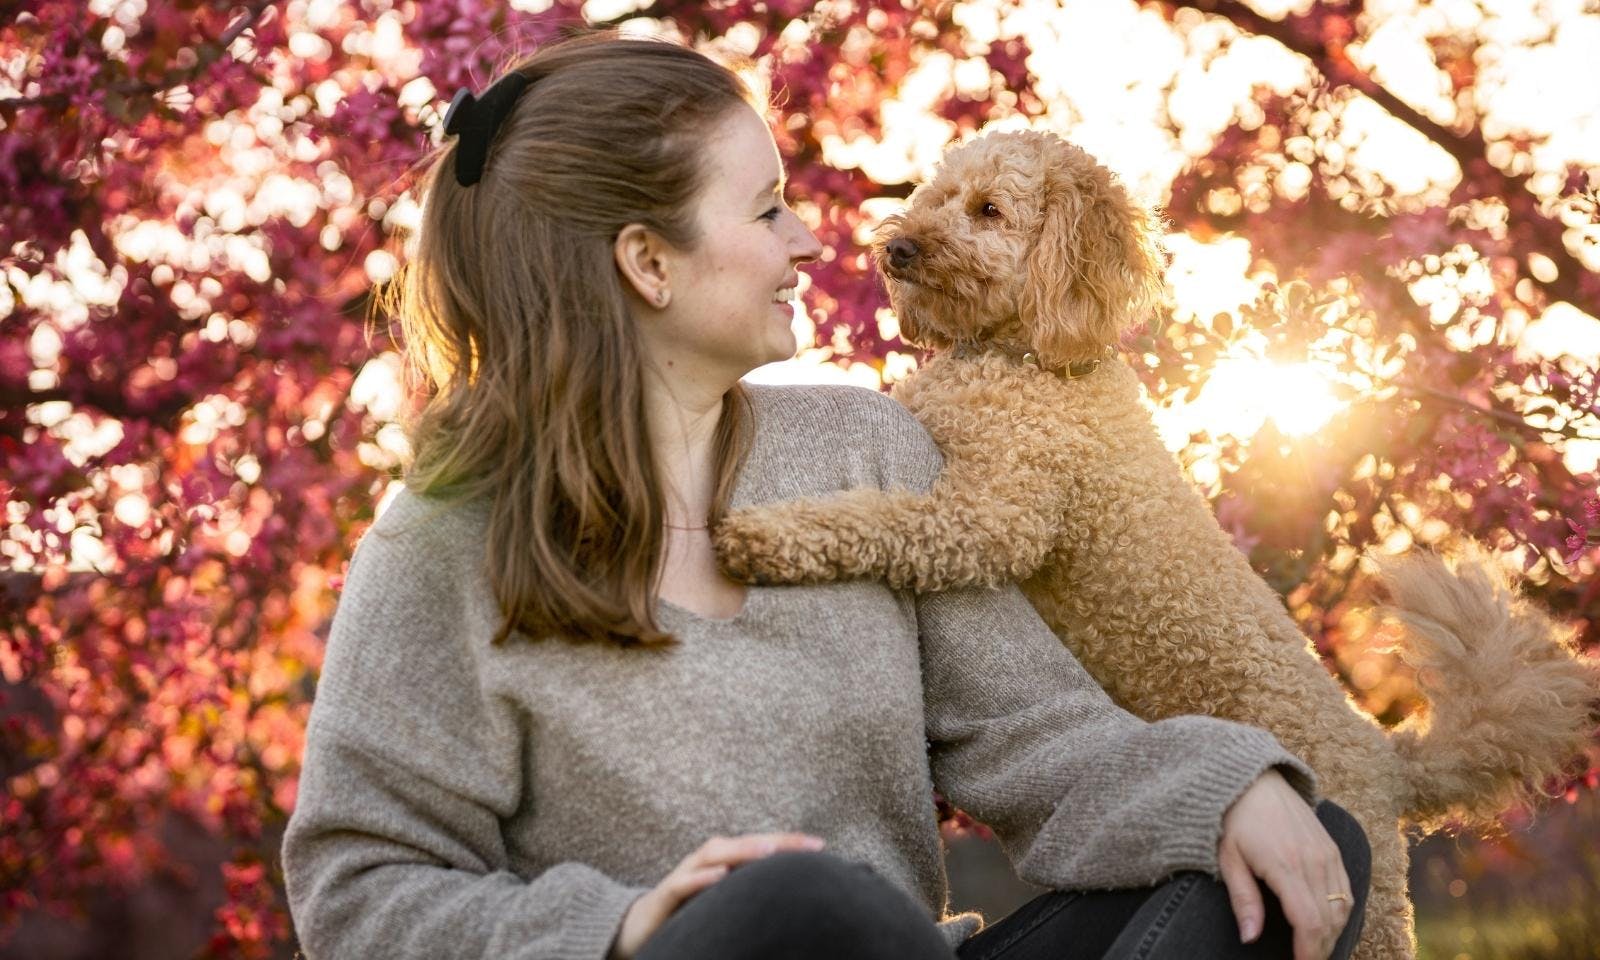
[[1243, 393]]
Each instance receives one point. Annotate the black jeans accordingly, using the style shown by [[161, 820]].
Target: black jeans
[[795, 905]]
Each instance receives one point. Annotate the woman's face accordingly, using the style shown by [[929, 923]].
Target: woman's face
[[731, 304]]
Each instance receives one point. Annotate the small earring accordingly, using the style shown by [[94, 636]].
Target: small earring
[[661, 298]]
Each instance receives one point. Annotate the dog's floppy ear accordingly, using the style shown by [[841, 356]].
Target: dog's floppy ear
[[1096, 268]]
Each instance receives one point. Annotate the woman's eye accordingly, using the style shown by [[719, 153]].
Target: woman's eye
[[771, 214], [989, 210]]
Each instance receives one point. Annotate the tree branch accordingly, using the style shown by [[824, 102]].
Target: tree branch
[[1303, 35], [653, 11], [106, 398], [1503, 416], [171, 79]]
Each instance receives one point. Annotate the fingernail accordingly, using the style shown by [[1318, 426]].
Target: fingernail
[[1249, 929], [815, 843]]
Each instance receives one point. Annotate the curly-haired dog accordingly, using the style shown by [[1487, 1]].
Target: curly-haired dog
[[1018, 265]]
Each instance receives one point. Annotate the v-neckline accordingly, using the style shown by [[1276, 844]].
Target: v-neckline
[[752, 592]]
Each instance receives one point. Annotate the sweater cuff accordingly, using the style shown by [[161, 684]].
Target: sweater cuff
[[594, 916], [1237, 758]]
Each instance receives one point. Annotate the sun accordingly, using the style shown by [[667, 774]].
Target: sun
[[1296, 397], [1243, 393]]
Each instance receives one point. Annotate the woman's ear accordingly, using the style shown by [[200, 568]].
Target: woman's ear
[[1095, 270], [641, 261]]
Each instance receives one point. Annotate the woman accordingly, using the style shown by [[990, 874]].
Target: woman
[[548, 726]]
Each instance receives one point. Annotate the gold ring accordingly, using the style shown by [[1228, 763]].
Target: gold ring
[[1338, 896]]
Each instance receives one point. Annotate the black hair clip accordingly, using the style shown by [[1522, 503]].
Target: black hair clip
[[475, 119]]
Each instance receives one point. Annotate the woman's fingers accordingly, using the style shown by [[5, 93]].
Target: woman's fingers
[[1304, 886], [714, 858], [1325, 878], [1337, 881], [1278, 837], [1306, 916], [732, 851], [1301, 865], [1243, 893], [707, 864], [685, 885]]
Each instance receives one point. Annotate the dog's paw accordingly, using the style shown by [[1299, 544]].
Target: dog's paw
[[750, 549]]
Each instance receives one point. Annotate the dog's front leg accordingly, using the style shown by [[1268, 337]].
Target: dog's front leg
[[981, 523]]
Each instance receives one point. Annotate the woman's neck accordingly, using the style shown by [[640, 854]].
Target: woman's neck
[[683, 422]]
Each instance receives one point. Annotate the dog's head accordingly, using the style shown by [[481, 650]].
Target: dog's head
[[1021, 236]]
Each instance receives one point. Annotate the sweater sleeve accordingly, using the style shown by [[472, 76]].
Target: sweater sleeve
[[1081, 793], [394, 847]]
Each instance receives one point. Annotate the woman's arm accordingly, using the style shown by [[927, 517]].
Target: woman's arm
[[382, 859], [394, 848], [1081, 793], [992, 515]]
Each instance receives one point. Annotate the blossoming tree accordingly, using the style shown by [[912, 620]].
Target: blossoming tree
[[197, 200]]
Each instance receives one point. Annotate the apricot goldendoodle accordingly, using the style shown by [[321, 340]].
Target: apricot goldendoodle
[[1019, 265]]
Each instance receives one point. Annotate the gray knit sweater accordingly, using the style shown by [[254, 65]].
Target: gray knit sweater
[[460, 800]]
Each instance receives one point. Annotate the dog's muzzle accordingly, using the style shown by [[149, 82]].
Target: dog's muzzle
[[901, 251]]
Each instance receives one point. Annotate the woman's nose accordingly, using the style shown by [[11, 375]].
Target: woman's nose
[[810, 247]]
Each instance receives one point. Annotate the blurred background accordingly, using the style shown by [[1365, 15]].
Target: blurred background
[[1380, 330]]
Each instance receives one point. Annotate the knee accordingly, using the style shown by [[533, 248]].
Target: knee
[[808, 882], [1351, 839], [821, 892], [803, 870]]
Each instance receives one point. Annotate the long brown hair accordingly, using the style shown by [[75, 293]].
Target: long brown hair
[[512, 310]]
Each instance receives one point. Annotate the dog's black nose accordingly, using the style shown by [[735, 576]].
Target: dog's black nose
[[901, 251]]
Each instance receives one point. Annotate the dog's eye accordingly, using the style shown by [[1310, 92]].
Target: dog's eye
[[990, 210]]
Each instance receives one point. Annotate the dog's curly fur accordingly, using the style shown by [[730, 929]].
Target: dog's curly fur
[[1022, 242]]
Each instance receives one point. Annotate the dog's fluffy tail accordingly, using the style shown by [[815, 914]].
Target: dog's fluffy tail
[[1510, 699]]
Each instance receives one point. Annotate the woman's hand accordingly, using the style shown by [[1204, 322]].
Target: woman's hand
[[1271, 833], [694, 873]]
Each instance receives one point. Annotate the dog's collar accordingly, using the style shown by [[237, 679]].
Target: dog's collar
[[1072, 371]]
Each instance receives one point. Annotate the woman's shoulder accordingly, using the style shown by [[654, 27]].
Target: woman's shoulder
[[857, 423], [843, 403], [401, 663], [407, 512], [417, 542]]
